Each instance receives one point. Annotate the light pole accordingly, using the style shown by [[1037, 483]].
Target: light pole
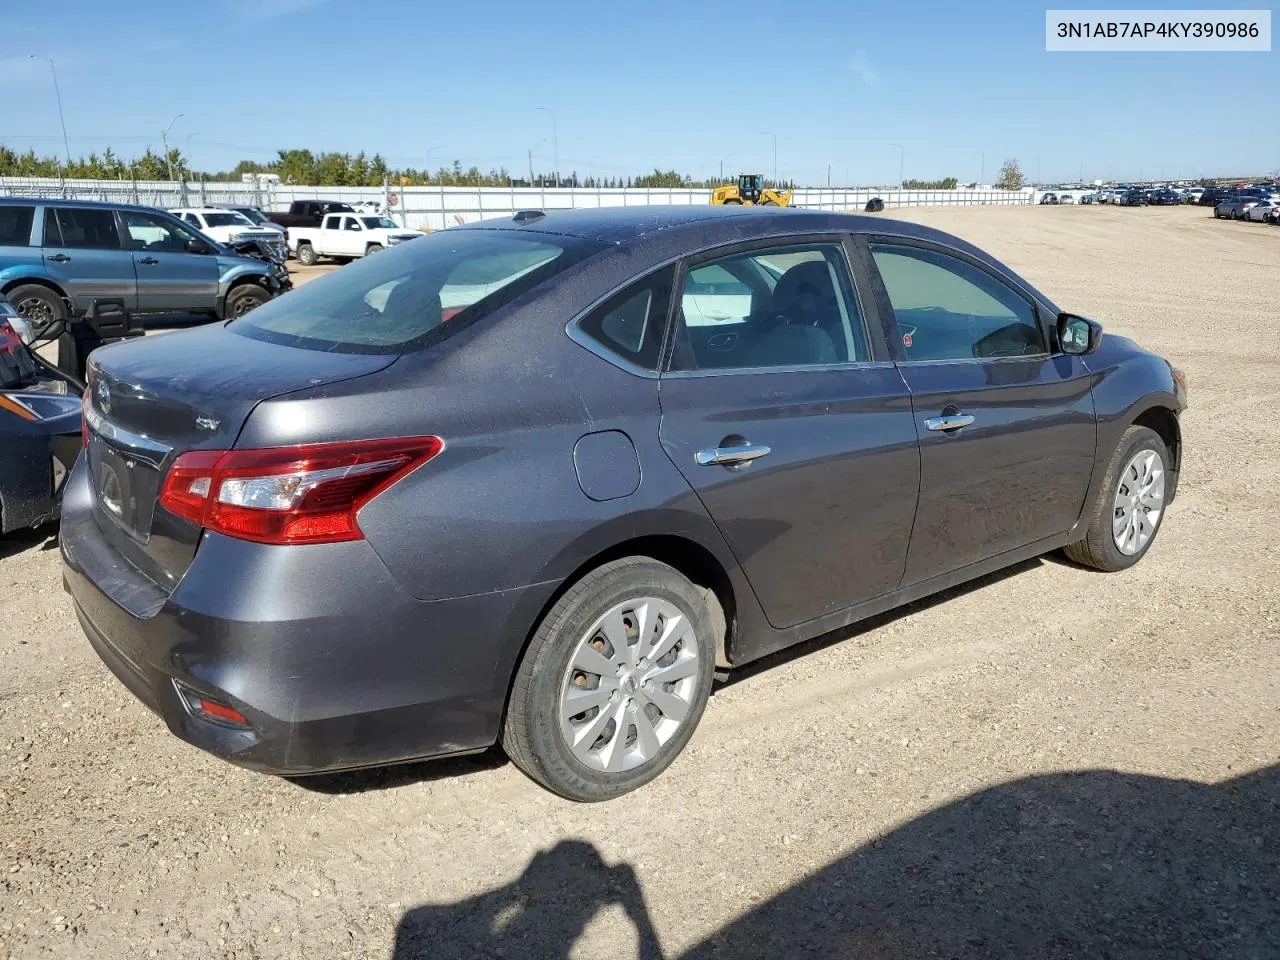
[[531, 149], [164, 138], [591, 163], [555, 143], [1037, 160], [902, 153], [982, 175], [766, 133], [726, 157], [66, 144]]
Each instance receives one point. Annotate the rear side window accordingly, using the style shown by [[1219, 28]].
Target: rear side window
[[15, 226], [630, 324], [88, 228], [417, 294]]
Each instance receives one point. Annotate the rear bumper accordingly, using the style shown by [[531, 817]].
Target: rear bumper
[[334, 665]]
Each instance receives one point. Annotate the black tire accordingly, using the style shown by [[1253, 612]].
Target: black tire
[[768, 203], [244, 298], [531, 733], [373, 248], [1098, 548], [733, 203], [38, 304], [306, 255]]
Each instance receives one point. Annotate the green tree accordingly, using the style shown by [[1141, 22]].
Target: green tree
[[1010, 176]]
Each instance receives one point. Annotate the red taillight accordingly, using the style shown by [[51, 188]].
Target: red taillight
[[10, 342], [285, 495], [220, 711]]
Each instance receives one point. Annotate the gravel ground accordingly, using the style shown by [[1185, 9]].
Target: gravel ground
[[1048, 763]]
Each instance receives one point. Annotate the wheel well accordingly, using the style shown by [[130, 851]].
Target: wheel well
[[691, 559], [1164, 422], [36, 282]]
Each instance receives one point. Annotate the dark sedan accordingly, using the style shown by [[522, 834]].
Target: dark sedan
[[539, 480], [1164, 197], [1133, 198]]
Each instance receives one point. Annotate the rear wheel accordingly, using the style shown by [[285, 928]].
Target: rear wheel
[[307, 255], [733, 203], [244, 298], [38, 304], [1126, 515], [768, 203], [614, 681]]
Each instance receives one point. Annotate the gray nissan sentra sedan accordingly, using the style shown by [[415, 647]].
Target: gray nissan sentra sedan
[[538, 480]]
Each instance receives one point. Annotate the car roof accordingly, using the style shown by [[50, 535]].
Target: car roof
[[83, 204], [201, 210]]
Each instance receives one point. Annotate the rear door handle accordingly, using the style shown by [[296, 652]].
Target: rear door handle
[[952, 421], [728, 456], [148, 260], [58, 258]]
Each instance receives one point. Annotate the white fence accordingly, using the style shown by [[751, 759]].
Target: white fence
[[435, 208]]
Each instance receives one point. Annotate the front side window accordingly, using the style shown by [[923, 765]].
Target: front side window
[[782, 306], [349, 223], [416, 294], [15, 226], [153, 234], [948, 309], [88, 228]]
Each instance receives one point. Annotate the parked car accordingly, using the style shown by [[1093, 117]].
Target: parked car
[[1049, 198], [307, 213], [39, 428], [1066, 197], [369, 206], [358, 533], [1133, 198], [347, 235], [1164, 197], [1263, 210], [231, 226], [1089, 197], [1236, 206], [1192, 194], [57, 257]]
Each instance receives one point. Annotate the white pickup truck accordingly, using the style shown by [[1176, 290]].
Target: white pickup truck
[[346, 235]]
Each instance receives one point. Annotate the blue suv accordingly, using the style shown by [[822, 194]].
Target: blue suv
[[59, 256]]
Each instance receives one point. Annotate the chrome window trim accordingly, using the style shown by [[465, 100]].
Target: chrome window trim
[[137, 444], [847, 366]]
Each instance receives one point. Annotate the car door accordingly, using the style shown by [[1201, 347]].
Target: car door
[[172, 274], [83, 255], [1006, 427], [351, 237], [781, 409]]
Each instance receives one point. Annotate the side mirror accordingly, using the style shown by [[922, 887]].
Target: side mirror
[[1078, 335], [195, 246]]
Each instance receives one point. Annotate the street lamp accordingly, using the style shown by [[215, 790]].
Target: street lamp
[[902, 153], [555, 143], [164, 138], [591, 163], [531, 149], [66, 145], [727, 156], [1037, 160], [982, 175], [766, 133]]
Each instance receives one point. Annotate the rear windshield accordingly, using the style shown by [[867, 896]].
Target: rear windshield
[[414, 295], [227, 220]]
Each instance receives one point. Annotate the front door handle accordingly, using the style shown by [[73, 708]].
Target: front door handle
[[729, 456], [148, 260], [950, 422], [58, 258]]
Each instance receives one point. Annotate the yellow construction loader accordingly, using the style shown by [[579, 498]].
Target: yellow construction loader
[[750, 189]]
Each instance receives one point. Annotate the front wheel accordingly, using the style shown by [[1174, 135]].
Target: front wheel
[[1126, 515], [614, 681], [307, 255], [372, 249], [244, 298]]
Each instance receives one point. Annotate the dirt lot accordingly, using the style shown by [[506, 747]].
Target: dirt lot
[[1050, 763]]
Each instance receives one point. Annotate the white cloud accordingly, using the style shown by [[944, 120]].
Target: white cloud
[[862, 66]]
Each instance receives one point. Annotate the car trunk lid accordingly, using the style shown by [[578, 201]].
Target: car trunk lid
[[156, 398]]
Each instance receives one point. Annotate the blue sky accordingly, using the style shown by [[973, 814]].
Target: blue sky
[[633, 85]]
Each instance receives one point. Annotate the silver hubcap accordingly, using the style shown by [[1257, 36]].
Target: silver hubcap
[[1139, 502], [630, 684]]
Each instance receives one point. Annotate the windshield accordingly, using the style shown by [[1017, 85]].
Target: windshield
[[416, 294], [252, 215], [373, 223], [227, 219]]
